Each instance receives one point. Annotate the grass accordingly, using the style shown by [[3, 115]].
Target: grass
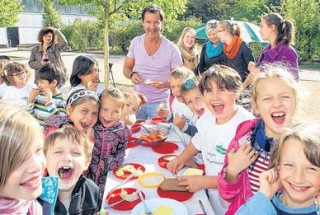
[[310, 65]]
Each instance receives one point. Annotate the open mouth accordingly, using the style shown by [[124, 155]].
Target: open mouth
[[65, 173], [218, 108], [279, 118], [200, 112], [85, 126]]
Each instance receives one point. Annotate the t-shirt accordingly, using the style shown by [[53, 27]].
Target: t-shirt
[[213, 140], [16, 95], [156, 67]]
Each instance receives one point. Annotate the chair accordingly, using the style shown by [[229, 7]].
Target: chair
[[111, 74]]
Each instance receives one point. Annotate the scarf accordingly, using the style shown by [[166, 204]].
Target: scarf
[[19, 207], [213, 51], [190, 60], [232, 50]]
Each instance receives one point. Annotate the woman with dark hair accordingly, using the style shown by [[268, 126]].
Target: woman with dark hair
[[52, 43], [212, 51], [85, 75], [280, 34]]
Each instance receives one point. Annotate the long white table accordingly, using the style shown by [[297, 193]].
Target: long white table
[[149, 159]]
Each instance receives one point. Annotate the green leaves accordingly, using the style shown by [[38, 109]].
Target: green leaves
[[9, 11]]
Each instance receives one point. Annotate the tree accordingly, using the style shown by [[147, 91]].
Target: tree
[[9, 11], [110, 10], [51, 17]]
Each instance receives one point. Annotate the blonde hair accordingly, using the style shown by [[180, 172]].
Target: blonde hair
[[18, 131], [12, 68], [232, 28], [180, 41], [182, 72], [72, 135], [113, 93], [277, 70], [308, 134]]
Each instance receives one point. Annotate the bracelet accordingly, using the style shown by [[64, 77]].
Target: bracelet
[[132, 74]]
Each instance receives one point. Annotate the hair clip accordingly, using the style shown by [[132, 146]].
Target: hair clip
[[188, 84], [81, 94]]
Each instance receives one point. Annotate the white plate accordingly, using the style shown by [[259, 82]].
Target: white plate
[[178, 208]]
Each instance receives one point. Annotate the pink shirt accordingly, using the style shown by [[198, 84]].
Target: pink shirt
[[156, 67]]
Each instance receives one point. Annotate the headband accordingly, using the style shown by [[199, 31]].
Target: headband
[[81, 94]]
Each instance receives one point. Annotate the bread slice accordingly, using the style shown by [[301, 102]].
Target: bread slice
[[171, 184]]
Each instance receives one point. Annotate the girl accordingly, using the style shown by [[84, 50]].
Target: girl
[[220, 87], [85, 75], [237, 52], [22, 161], [295, 165], [52, 43], [187, 46], [212, 51], [280, 34], [275, 99], [4, 60], [82, 109], [111, 138], [16, 87], [133, 100]]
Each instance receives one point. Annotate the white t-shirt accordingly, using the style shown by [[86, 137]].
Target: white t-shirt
[[182, 109], [213, 140], [16, 95]]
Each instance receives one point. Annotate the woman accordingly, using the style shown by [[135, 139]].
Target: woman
[[280, 34], [237, 52], [186, 45], [212, 51], [53, 42]]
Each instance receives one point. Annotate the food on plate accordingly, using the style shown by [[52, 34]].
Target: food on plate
[[193, 171], [151, 179], [163, 210], [128, 197], [151, 137], [147, 82], [170, 157], [128, 168], [171, 184]]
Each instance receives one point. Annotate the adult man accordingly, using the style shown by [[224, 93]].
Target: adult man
[[150, 60]]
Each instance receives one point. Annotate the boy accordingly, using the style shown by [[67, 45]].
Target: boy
[[68, 154], [46, 100]]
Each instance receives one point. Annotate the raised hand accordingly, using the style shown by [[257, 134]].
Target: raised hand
[[269, 182], [34, 92], [179, 121], [240, 160], [48, 94], [162, 111]]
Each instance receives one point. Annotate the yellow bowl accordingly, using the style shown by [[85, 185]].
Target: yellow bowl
[[148, 176]]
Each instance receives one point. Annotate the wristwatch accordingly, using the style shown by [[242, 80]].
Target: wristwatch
[[132, 74]]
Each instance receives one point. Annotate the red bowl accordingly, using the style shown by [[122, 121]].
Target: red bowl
[[135, 128]]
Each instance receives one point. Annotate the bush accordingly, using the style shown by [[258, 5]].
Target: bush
[[84, 35]]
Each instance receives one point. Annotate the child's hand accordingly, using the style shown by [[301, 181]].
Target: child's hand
[[92, 85], [269, 182], [162, 111], [192, 183], [34, 92], [240, 160], [175, 165], [48, 94], [179, 121]]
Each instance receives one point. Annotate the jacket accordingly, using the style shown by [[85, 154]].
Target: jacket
[[108, 151], [239, 192], [85, 199], [281, 53], [53, 53], [205, 62]]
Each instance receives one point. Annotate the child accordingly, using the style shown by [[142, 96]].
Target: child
[[220, 86], [16, 86], [46, 100], [133, 101], [22, 161], [111, 137], [68, 152], [181, 115], [82, 109], [4, 60], [85, 75], [295, 166], [275, 98], [193, 98]]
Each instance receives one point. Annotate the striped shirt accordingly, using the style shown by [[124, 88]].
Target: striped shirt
[[41, 110], [259, 166]]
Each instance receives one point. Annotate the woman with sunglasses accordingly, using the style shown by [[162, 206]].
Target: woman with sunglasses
[[16, 87]]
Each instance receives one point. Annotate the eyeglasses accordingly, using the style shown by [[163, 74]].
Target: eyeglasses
[[18, 73], [83, 93]]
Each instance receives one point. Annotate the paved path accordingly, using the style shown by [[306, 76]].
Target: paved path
[[117, 60]]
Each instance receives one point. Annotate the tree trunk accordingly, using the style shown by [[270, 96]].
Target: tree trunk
[[106, 47]]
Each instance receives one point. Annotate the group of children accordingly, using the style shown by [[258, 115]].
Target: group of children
[[251, 164]]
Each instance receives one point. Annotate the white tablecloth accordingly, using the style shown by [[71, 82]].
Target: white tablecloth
[[149, 159]]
